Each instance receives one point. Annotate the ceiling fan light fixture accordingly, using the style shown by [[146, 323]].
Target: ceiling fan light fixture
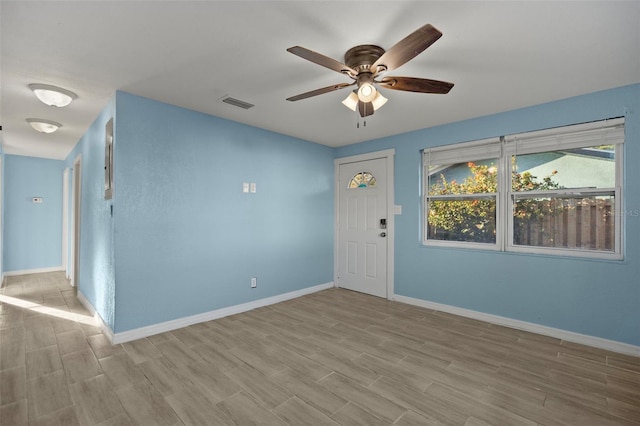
[[364, 63], [44, 126], [378, 101], [351, 101], [366, 92], [53, 95]]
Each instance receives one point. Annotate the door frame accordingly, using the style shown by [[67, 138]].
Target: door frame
[[388, 155], [65, 221], [76, 200]]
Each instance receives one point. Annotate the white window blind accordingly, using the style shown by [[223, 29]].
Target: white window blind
[[470, 151], [608, 132], [578, 216]]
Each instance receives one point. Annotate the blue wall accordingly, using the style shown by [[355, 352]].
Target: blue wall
[[184, 239], [187, 239], [597, 298], [32, 236], [1, 211], [96, 280]]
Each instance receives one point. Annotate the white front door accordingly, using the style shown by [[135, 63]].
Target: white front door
[[362, 227]]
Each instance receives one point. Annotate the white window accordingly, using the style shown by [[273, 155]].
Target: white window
[[555, 191], [461, 194]]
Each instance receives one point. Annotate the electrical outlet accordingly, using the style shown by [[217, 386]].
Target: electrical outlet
[[254, 282]]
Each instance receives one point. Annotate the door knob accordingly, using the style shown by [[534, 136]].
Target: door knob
[[383, 234]]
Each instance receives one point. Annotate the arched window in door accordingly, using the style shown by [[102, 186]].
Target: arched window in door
[[362, 180]]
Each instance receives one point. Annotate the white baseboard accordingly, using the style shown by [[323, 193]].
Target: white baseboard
[[103, 325], [569, 336], [139, 333], [32, 271]]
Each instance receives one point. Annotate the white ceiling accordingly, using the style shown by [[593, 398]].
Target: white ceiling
[[500, 55]]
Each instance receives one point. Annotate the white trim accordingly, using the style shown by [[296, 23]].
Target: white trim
[[33, 271], [389, 155], [620, 201], [150, 330], [65, 220], [76, 205], [569, 336], [364, 157]]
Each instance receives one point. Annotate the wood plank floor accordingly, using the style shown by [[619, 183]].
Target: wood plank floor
[[331, 358]]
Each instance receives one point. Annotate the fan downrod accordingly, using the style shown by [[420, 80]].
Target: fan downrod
[[360, 58]]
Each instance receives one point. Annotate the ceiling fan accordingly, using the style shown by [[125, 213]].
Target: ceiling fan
[[365, 63]]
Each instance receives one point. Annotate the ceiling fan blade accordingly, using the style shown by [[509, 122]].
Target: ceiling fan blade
[[322, 60], [365, 108], [319, 91], [408, 48], [412, 84]]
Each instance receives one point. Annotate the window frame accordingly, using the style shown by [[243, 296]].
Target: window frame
[[476, 153], [549, 140]]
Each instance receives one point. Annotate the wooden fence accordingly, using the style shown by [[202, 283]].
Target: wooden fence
[[567, 223]]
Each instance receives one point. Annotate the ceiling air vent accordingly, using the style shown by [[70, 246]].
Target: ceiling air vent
[[237, 102]]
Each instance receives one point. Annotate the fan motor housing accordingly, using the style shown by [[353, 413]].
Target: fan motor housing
[[360, 58]]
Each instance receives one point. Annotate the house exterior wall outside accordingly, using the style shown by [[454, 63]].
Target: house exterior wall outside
[[32, 232], [572, 171], [187, 239], [591, 297]]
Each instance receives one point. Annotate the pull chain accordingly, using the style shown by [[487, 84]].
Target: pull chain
[[364, 121]]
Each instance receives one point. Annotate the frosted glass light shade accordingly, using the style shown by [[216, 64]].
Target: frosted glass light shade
[[378, 101], [44, 126], [52, 95], [351, 101], [366, 92]]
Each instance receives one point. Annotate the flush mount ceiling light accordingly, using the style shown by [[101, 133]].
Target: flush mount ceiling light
[[52, 95], [44, 126]]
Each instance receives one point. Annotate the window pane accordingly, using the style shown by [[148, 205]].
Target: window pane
[[575, 223], [592, 167], [362, 180], [464, 178], [465, 219]]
